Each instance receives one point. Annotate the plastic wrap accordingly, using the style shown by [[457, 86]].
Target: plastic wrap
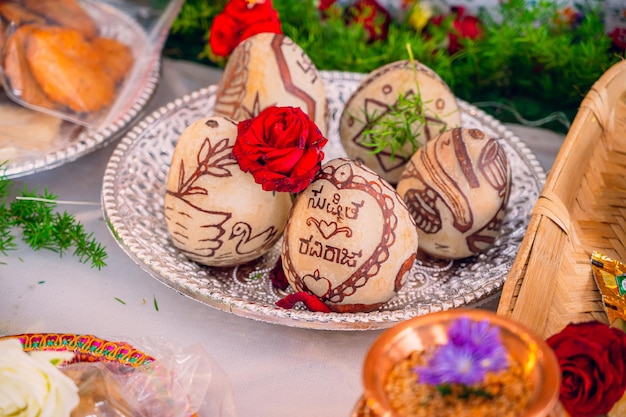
[[86, 62], [181, 382]]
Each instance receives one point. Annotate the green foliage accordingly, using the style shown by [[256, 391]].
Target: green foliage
[[402, 125], [526, 60], [42, 227]]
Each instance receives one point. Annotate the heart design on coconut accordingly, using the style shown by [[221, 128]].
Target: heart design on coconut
[[350, 239]]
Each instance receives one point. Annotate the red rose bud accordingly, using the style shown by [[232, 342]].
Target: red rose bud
[[271, 25], [224, 35], [240, 20], [247, 13], [593, 371], [281, 148]]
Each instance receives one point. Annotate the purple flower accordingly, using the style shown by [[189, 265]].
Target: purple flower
[[473, 349]]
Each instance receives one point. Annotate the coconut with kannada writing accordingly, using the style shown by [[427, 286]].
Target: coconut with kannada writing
[[350, 239]]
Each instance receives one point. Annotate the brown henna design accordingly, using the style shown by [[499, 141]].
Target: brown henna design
[[212, 160], [328, 229], [447, 187], [249, 243], [421, 200], [328, 252], [375, 110], [213, 228], [462, 155], [343, 178], [487, 235], [233, 87], [493, 164], [316, 283], [278, 42]]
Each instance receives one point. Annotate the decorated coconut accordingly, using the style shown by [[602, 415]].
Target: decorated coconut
[[269, 69], [386, 96], [215, 213], [456, 188], [350, 239]]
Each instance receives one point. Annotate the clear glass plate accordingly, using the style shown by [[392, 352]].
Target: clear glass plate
[[133, 200], [78, 139]]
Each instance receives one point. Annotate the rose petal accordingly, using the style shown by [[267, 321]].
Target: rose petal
[[309, 300], [277, 275]]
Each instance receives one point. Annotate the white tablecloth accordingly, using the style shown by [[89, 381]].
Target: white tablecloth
[[274, 370]]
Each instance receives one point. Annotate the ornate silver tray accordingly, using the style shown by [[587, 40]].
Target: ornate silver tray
[[75, 139], [133, 194]]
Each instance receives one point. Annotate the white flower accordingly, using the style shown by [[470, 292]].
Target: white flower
[[31, 385]]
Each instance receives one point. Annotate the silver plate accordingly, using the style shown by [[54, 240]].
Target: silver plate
[[74, 140], [133, 194]]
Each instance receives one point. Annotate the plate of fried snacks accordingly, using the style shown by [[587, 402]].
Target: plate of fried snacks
[[75, 375], [74, 74]]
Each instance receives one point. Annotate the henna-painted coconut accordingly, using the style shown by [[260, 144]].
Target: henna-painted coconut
[[215, 213], [350, 239], [270, 69], [375, 98], [456, 188]]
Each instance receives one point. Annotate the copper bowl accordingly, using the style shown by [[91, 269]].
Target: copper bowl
[[395, 344]]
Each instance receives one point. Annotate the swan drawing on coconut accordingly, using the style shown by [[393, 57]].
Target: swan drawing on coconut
[[249, 243]]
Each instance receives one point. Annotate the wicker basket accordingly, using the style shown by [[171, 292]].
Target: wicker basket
[[582, 208]]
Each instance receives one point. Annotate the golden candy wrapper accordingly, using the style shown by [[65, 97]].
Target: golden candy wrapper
[[610, 277]]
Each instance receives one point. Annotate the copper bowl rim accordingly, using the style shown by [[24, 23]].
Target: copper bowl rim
[[543, 404]]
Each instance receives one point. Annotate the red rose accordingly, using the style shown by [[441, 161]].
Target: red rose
[[593, 371], [281, 147], [374, 18], [239, 20], [247, 13], [224, 35], [263, 26]]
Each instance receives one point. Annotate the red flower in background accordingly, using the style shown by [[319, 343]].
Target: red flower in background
[[619, 37], [374, 18], [463, 26], [281, 147], [239, 20], [224, 35], [325, 4], [593, 371]]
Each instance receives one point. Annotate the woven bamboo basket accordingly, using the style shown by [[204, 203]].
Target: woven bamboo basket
[[582, 208]]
